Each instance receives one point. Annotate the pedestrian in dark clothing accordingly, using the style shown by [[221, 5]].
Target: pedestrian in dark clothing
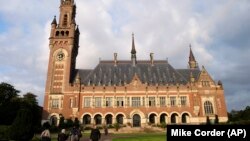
[[106, 130], [62, 136], [95, 134]]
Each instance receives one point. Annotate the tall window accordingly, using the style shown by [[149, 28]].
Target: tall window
[[162, 101], [143, 101], [183, 100], [151, 101], [55, 103], [205, 83], [119, 102], [128, 101], [65, 20], [136, 101], [98, 102], [87, 101], [71, 102], [208, 107], [173, 101], [108, 101]]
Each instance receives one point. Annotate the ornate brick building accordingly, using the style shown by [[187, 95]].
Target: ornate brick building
[[131, 91]]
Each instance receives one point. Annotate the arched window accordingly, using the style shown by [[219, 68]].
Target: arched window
[[208, 107], [65, 20]]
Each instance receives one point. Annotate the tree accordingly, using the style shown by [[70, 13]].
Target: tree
[[30, 98], [29, 101], [7, 93], [22, 129], [9, 103]]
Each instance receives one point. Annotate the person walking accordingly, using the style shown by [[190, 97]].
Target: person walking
[[62, 136], [45, 135], [95, 134], [75, 134], [106, 130]]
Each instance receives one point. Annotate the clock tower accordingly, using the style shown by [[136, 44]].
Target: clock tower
[[63, 45]]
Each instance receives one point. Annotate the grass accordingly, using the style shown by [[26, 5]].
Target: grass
[[130, 136], [140, 137]]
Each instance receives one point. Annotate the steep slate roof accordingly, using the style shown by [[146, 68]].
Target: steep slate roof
[[161, 73]]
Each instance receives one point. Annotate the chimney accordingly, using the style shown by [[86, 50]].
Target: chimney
[[115, 59], [152, 59]]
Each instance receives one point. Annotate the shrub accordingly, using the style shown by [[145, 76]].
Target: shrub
[[117, 126], [22, 129], [163, 125], [129, 124], [4, 132]]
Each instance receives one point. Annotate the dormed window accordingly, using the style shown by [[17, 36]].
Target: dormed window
[[208, 108]]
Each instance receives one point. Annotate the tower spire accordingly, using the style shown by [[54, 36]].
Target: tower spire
[[192, 62], [133, 51]]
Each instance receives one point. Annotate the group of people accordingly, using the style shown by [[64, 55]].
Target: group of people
[[75, 135]]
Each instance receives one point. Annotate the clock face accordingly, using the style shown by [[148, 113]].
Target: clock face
[[60, 56]]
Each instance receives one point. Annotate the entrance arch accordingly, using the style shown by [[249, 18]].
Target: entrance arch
[[163, 118], [53, 120], [185, 118], [86, 119], [98, 119], [108, 119], [136, 120], [119, 119], [152, 118], [174, 118]]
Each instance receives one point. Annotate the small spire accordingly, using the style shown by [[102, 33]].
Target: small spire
[[191, 55], [133, 51], [54, 21], [152, 59], [192, 62]]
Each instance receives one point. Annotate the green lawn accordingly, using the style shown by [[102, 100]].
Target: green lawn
[[131, 137], [140, 137]]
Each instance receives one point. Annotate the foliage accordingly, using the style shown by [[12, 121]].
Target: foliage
[[4, 132], [117, 126], [163, 125], [22, 127], [241, 116], [9, 103], [7, 93], [129, 124]]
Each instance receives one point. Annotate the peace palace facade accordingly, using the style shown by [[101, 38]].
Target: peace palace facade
[[131, 91]]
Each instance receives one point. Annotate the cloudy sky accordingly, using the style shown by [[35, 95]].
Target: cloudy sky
[[219, 32]]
